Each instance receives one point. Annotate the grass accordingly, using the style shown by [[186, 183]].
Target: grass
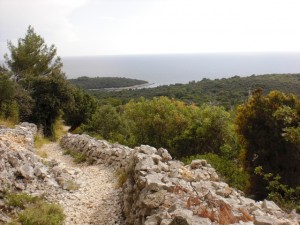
[[42, 214], [59, 129], [20, 200], [122, 177], [34, 210], [78, 156], [7, 123], [39, 141]]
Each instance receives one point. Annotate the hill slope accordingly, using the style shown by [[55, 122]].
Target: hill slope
[[227, 91]]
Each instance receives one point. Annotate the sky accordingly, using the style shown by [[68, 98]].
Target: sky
[[118, 27]]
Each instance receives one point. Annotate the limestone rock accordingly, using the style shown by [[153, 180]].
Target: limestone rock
[[198, 163], [155, 199]]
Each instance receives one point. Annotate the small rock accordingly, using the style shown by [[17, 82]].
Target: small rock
[[198, 163]]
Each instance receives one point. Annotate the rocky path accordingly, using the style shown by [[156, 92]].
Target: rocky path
[[97, 198]]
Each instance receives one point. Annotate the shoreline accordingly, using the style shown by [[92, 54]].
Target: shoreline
[[138, 86]]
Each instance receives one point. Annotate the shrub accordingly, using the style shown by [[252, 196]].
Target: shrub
[[286, 197]]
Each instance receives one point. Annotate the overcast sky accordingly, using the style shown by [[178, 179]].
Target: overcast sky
[[110, 27]]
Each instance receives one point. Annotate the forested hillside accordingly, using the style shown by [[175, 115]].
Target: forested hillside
[[226, 92], [105, 82]]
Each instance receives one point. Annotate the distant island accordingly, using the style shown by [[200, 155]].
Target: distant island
[[110, 83]]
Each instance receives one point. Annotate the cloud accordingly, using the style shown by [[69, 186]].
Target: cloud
[[50, 18], [93, 27]]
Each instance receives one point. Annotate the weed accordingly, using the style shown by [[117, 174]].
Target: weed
[[39, 141], [122, 177], [79, 157]]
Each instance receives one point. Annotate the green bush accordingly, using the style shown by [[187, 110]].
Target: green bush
[[286, 197], [228, 170]]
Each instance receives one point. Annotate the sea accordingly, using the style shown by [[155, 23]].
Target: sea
[[165, 69]]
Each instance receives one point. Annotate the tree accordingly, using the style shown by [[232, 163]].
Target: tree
[[32, 58], [83, 109], [37, 69], [52, 96], [6, 86], [267, 126], [15, 102]]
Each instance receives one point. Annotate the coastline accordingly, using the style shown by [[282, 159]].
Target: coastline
[[139, 86]]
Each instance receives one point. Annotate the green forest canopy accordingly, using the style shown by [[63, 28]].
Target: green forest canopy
[[227, 92]]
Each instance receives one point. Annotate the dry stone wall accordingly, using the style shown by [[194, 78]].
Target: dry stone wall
[[21, 170], [162, 191]]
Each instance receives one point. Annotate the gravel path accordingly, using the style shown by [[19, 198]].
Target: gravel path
[[97, 201]]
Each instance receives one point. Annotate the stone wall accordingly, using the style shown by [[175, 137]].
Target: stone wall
[[162, 191], [21, 170]]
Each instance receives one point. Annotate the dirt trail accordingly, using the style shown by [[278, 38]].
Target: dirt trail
[[97, 201]]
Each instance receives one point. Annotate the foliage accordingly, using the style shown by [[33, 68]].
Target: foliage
[[32, 58], [163, 122], [52, 96], [227, 92], [210, 130], [105, 82], [267, 127], [286, 197], [8, 105], [105, 122], [228, 169], [41, 90], [155, 122], [82, 110]]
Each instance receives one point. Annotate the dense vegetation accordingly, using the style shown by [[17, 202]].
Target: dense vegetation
[[105, 82], [255, 146], [226, 92]]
